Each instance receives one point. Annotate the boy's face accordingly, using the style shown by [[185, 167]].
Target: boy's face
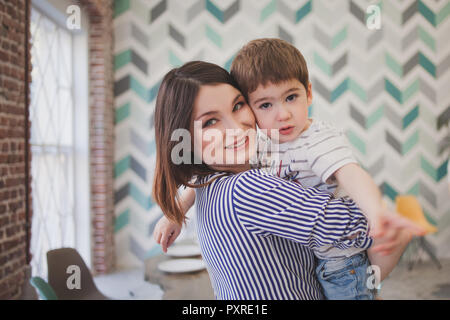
[[282, 106]]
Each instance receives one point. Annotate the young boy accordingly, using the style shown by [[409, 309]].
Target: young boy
[[273, 77]]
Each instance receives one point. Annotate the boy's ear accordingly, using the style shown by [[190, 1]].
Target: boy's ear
[[309, 93]]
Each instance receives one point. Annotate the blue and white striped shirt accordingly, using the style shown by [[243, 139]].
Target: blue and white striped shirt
[[256, 231]]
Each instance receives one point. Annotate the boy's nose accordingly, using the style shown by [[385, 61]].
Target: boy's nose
[[283, 114]]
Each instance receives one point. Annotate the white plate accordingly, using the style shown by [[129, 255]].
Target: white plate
[[181, 265], [183, 251]]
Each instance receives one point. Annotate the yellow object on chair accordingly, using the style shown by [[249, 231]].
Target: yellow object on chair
[[409, 207]]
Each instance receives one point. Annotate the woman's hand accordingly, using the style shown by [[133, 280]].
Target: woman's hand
[[393, 230], [166, 232]]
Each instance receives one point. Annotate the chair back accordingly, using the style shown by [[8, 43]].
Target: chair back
[[69, 276]]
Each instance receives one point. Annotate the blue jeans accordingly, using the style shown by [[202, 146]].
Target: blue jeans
[[345, 278]]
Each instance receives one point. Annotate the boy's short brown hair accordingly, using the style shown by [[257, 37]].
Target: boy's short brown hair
[[268, 60]]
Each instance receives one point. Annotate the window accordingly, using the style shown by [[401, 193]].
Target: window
[[59, 135]]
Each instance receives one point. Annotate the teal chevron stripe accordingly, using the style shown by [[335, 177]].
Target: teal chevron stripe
[[410, 117], [393, 65], [375, 117], [268, 10], [427, 64], [398, 94], [322, 64], [339, 37], [122, 59], [434, 19], [356, 141], [389, 191], [122, 220], [410, 143], [216, 12], [137, 87], [303, 11], [174, 60], [213, 36], [121, 166], [436, 174], [426, 38], [415, 190], [122, 113], [357, 90], [144, 201], [336, 93], [120, 6], [228, 63], [398, 69], [154, 91]]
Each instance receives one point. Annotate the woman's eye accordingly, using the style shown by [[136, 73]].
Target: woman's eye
[[265, 105], [238, 106], [210, 122], [292, 97]]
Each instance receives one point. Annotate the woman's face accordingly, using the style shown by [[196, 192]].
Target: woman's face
[[223, 128]]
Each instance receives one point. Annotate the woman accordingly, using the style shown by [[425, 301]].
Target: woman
[[255, 230]]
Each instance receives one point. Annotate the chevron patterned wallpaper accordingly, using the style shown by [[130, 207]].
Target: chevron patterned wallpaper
[[388, 88]]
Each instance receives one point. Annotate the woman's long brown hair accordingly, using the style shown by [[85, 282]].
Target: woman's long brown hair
[[174, 108]]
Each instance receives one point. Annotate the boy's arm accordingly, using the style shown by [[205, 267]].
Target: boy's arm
[[187, 199], [362, 189], [166, 231]]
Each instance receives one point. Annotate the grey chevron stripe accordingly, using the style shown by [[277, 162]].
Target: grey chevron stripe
[[158, 10], [427, 90], [443, 67], [339, 64], [376, 167], [136, 249], [121, 193], [121, 86], [393, 117], [357, 116], [444, 118], [375, 38], [409, 12], [428, 194], [357, 12], [138, 142], [393, 142], [284, 35], [375, 91], [177, 36], [140, 36], [320, 88], [138, 168], [231, 11], [139, 62], [195, 10]]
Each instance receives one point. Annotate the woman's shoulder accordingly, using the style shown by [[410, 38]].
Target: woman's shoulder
[[256, 178]]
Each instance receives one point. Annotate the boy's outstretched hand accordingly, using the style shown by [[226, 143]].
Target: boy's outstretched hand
[[166, 232], [391, 227]]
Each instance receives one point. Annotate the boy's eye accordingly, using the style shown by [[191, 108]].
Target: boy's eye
[[210, 122], [238, 106], [265, 105], [292, 97]]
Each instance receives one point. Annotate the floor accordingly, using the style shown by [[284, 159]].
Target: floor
[[128, 285], [424, 281]]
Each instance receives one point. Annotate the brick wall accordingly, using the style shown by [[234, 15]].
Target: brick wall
[[15, 184], [13, 147], [101, 112]]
